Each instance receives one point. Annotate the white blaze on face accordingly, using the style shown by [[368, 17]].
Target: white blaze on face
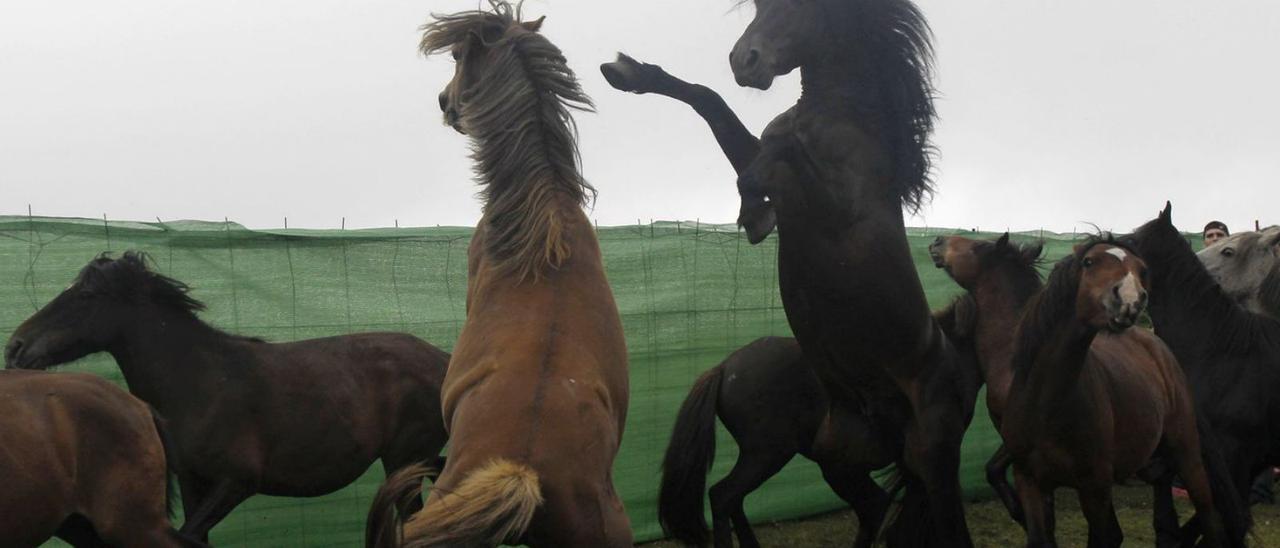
[[1129, 289], [1118, 253]]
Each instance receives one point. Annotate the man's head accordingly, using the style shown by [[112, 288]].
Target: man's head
[[1215, 232]]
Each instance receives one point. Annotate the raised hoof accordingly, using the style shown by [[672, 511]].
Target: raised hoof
[[625, 74]]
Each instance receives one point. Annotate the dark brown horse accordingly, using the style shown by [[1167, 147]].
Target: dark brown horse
[[290, 419], [1094, 402], [775, 407], [833, 174], [536, 394], [82, 460], [1001, 276], [1231, 355]]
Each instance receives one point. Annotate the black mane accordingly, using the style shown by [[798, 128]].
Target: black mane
[[889, 48], [130, 277], [1055, 304]]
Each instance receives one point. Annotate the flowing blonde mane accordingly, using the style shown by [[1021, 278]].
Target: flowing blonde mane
[[523, 138]]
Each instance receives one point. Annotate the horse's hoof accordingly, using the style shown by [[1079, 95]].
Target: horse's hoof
[[624, 74]]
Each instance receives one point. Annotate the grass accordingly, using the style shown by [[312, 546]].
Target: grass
[[991, 526]]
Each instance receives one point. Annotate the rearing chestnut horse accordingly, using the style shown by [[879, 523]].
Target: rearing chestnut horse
[[1094, 402], [833, 174], [536, 393]]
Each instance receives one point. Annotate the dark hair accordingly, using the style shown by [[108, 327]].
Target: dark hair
[[1218, 225]]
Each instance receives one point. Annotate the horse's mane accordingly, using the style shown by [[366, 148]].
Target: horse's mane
[[1161, 243], [130, 276], [958, 317], [1024, 259], [524, 140], [890, 51], [1055, 304]]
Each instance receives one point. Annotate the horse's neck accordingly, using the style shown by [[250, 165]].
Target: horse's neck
[[999, 309], [161, 355], [1054, 377], [1187, 306]]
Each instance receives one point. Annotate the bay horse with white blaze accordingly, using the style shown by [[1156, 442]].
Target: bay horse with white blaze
[[1094, 402], [775, 407], [833, 174], [84, 461], [536, 394], [295, 419]]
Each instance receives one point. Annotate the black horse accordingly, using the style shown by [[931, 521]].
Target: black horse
[[246, 416], [833, 175], [1231, 356]]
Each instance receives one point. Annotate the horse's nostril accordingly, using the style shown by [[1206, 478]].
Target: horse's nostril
[[444, 102], [753, 57]]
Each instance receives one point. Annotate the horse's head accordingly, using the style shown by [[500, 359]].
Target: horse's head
[[92, 313], [777, 41], [1158, 238], [969, 261], [1112, 290], [474, 39], [1245, 264]]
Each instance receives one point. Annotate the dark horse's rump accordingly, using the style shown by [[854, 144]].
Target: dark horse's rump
[[293, 419], [116, 494]]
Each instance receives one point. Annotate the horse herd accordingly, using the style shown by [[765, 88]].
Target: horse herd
[[533, 400]]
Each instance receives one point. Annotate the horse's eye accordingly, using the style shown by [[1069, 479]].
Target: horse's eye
[[1227, 252], [1088, 262]]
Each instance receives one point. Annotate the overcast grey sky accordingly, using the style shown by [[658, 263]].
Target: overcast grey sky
[[1053, 113]]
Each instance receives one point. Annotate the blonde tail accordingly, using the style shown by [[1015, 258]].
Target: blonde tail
[[493, 505]]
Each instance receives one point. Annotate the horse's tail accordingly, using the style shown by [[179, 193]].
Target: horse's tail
[[689, 456], [493, 505], [910, 523], [390, 504], [1227, 500], [170, 459]]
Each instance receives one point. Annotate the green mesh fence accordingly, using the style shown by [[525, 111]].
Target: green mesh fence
[[689, 294]]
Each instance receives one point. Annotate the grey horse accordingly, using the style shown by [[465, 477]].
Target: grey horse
[[1247, 266]]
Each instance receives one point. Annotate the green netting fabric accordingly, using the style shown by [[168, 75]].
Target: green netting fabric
[[689, 294]]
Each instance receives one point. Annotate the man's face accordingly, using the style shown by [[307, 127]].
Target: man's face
[[1213, 236]]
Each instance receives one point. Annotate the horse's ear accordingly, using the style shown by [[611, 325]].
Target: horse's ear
[[1032, 252], [1166, 216], [1271, 239], [1075, 249], [1002, 241], [535, 25]]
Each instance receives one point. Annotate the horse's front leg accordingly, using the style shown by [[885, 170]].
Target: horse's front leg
[[997, 470], [1037, 514], [1100, 513], [739, 145]]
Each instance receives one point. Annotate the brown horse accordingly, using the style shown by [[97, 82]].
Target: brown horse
[[1094, 402], [775, 407], [1001, 276], [833, 174], [291, 419], [536, 394], [82, 460]]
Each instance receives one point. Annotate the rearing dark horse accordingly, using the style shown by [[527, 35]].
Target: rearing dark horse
[[833, 174]]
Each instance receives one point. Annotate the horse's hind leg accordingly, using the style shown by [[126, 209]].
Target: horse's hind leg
[[211, 507], [869, 501], [78, 532], [1037, 509], [1104, 528], [754, 467], [410, 453]]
